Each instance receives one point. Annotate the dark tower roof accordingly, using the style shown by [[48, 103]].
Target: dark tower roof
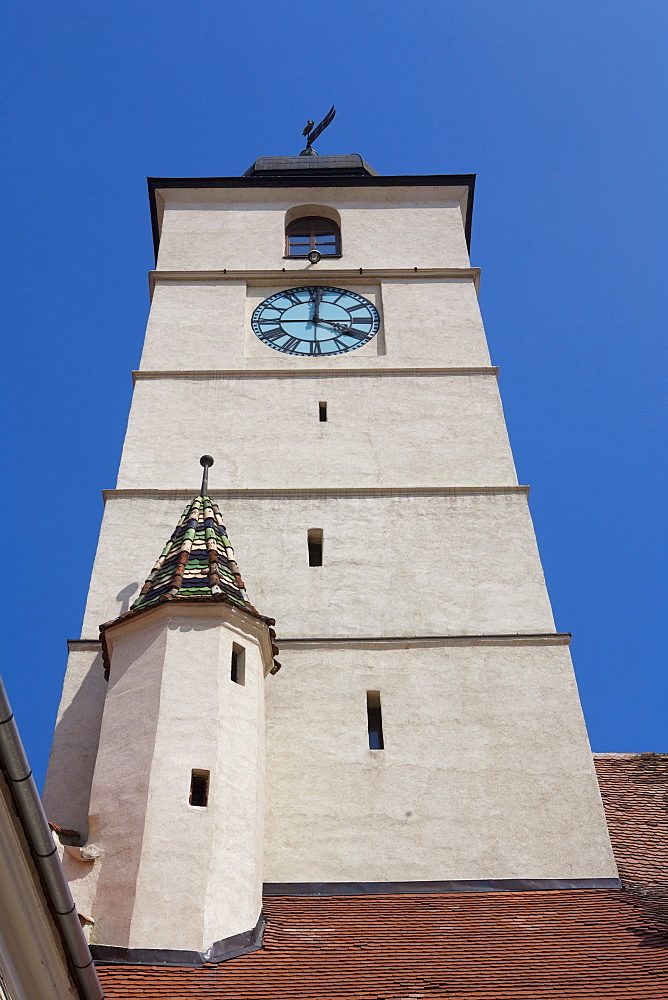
[[349, 165]]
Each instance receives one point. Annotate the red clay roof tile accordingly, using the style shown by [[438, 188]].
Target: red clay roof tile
[[634, 788]]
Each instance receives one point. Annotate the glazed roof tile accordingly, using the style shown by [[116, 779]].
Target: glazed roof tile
[[602, 944], [196, 564]]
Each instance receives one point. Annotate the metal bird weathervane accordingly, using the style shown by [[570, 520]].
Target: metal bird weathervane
[[313, 133]]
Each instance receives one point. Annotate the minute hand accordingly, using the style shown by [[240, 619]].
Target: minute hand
[[315, 319]]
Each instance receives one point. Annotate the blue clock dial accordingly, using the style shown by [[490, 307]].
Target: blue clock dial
[[315, 321]]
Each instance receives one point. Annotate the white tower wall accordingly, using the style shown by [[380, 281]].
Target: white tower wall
[[243, 229], [426, 322], [480, 756], [428, 543], [436, 428]]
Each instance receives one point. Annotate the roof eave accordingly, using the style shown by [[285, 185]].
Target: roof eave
[[217, 599]]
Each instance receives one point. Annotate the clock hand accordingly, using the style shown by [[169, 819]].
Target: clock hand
[[336, 326], [315, 318]]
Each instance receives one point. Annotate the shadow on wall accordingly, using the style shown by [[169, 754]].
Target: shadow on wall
[[74, 751], [76, 738], [124, 596]]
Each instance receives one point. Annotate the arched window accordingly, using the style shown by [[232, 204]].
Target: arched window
[[312, 233]]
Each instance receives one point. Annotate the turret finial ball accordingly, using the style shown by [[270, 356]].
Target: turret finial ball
[[206, 461]]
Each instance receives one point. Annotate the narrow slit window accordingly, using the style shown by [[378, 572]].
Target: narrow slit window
[[323, 412], [199, 789], [314, 540], [374, 721], [238, 664]]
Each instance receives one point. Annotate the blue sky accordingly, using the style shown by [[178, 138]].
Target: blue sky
[[558, 107]]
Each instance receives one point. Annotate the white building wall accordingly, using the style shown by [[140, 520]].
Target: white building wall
[[195, 325], [401, 564], [419, 431], [241, 229], [33, 963], [485, 769], [426, 533], [75, 740]]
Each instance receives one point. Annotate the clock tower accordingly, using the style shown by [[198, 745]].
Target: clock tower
[[315, 327]]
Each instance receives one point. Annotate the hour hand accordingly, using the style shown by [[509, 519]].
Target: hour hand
[[339, 327]]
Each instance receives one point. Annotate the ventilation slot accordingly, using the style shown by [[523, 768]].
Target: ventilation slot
[[374, 720], [238, 664], [199, 788], [315, 546], [323, 412]]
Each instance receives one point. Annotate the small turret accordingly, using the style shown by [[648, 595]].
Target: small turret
[[177, 800]]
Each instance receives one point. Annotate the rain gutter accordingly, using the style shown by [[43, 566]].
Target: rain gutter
[[16, 768]]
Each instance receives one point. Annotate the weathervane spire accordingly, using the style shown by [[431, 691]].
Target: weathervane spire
[[313, 133]]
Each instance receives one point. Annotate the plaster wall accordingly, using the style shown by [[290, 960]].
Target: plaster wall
[[413, 430], [205, 325], [203, 863], [75, 741], [121, 780], [486, 771], [393, 565], [380, 227]]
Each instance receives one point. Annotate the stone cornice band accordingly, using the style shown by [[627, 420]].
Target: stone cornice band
[[255, 373], [322, 493], [347, 274], [500, 639]]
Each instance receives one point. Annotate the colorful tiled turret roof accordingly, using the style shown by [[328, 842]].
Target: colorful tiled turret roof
[[197, 562]]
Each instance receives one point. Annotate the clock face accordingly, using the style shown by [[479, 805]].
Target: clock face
[[315, 321]]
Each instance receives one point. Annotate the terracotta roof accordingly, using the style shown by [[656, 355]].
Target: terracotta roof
[[599, 944], [634, 788], [581, 943]]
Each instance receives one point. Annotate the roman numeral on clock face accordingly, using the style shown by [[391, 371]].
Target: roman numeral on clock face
[[273, 335], [291, 344], [293, 297]]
